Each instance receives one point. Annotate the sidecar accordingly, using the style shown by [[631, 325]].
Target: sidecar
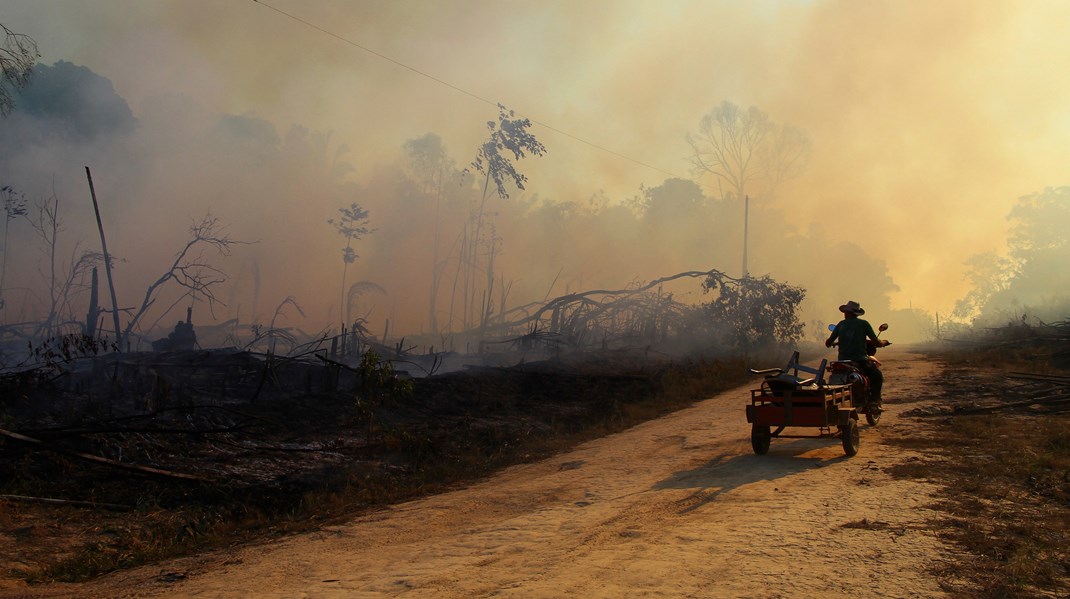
[[787, 399]]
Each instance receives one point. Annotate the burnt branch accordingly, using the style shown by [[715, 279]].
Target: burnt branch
[[191, 268]]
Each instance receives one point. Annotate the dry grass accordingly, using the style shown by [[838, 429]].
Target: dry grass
[[1006, 498]]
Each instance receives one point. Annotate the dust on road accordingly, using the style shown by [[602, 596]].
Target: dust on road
[[677, 507]]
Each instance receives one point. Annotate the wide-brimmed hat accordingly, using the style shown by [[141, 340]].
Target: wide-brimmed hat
[[852, 307]]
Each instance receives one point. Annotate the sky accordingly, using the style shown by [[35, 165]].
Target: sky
[[928, 119]]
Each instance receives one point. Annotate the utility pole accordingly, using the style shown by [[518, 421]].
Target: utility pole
[[107, 263], [746, 216], [744, 304]]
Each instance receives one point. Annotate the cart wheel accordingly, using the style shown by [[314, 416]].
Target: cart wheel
[[759, 438], [849, 436]]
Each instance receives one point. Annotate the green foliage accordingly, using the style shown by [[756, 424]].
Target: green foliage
[[352, 224], [674, 201], [379, 382], [755, 311], [1041, 223], [989, 275], [508, 135], [1031, 280]]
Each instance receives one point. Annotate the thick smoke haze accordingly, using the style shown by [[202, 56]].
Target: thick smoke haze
[[927, 121]]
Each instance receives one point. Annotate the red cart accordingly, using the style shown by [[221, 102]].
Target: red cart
[[785, 399]]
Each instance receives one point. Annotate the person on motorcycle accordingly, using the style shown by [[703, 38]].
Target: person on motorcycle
[[852, 333]]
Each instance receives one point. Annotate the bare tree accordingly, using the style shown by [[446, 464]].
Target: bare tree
[[14, 206], [432, 166], [191, 270], [18, 53], [47, 225], [64, 281], [746, 151]]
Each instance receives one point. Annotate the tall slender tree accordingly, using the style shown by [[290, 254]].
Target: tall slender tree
[[353, 225], [14, 206], [432, 167], [508, 135]]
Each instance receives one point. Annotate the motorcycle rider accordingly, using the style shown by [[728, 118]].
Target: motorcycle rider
[[852, 333]]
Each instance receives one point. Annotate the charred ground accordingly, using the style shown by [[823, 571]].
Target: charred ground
[[231, 469], [155, 455]]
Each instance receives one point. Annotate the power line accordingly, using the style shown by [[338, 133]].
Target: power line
[[370, 51], [460, 89]]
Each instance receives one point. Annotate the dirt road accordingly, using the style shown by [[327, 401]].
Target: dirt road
[[677, 507]]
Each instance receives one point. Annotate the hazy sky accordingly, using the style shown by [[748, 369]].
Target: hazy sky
[[928, 119]]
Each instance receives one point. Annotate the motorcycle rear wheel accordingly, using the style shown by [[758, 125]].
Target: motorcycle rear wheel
[[873, 415]]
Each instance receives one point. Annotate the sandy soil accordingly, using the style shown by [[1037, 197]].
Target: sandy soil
[[677, 507]]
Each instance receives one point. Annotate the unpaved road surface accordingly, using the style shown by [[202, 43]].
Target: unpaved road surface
[[677, 507]]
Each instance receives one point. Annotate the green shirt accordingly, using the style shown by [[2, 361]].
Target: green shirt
[[852, 333]]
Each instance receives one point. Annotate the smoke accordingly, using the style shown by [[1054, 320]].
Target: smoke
[[927, 121]]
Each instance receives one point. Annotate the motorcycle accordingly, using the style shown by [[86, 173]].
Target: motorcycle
[[846, 372]]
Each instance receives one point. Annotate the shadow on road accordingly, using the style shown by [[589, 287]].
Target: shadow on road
[[730, 471]]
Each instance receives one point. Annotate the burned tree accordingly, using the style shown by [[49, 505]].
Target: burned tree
[[432, 167], [64, 282], [14, 205], [646, 315], [191, 270], [46, 223]]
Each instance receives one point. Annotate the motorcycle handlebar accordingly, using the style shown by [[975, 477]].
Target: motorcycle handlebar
[[881, 343]]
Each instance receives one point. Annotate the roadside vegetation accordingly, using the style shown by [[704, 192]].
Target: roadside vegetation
[[1000, 448]]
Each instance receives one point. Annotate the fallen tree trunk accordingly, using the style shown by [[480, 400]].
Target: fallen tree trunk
[[147, 470], [115, 507]]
